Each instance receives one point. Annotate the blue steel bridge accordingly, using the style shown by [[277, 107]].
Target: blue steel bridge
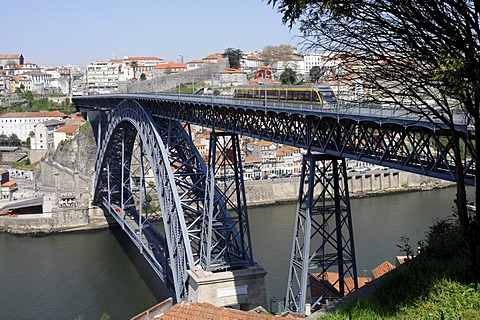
[[148, 169]]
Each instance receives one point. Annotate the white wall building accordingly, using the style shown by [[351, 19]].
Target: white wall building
[[102, 77], [42, 138], [23, 123], [324, 60]]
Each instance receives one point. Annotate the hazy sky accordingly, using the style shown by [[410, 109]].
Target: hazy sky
[[60, 32]]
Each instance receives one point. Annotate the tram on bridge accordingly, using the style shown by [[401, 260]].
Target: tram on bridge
[[315, 94]]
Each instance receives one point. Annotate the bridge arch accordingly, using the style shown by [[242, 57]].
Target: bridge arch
[[126, 122]]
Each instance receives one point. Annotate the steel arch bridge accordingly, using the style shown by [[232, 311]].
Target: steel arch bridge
[[148, 169]]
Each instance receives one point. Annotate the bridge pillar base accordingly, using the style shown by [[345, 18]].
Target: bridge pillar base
[[245, 287]]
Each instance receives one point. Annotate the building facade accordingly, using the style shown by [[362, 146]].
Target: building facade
[[23, 124]]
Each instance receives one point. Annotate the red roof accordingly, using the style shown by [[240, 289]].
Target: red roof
[[190, 311], [68, 129], [331, 280], [232, 70], [382, 269], [171, 64], [213, 56], [9, 183], [40, 114]]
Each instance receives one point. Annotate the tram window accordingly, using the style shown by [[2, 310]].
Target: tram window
[[291, 95], [250, 93], [262, 94], [283, 95], [272, 94], [315, 97]]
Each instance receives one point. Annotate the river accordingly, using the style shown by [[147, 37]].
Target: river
[[83, 275]]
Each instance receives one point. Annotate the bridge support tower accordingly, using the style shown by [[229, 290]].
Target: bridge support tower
[[323, 254], [227, 274]]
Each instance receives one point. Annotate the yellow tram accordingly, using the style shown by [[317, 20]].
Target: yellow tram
[[316, 94]]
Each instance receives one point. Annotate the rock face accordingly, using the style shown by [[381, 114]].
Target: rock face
[[76, 155]]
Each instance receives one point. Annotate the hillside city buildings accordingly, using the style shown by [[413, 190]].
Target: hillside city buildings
[[45, 130]]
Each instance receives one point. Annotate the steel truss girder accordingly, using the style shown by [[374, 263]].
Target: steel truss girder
[[190, 171], [126, 121], [226, 242], [323, 234], [131, 135], [416, 147]]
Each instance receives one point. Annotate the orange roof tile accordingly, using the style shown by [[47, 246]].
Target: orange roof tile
[[40, 114], [232, 70], [213, 56], [331, 279], [9, 183], [382, 269], [189, 311], [171, 64], [68, 129]]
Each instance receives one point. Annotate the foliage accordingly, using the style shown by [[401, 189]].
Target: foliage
[[24, 165], [421, 55], [11, 140], [134, 65], [315, 73], [143, 77], [429, 286], [288, 76], [233, 56], [33, 103], [283, 52]]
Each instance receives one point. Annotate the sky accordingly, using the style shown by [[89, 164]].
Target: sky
[[59, 32]]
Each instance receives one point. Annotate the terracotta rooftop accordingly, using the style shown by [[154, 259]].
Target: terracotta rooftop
[[9, 183], [40, 114], [382, 269], [331, 280], [213, 56], [232, 70], [68, 129], [171, 64], [192, 311]]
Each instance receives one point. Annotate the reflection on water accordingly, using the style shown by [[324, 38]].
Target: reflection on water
[[72, 275]]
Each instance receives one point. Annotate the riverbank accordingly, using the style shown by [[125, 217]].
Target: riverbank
[[258, 193]]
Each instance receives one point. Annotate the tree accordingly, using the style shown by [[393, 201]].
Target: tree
[[143, 77], [288, 76], [411, 52], [233, 56], [315, 73], [134, 65], [283, 52]]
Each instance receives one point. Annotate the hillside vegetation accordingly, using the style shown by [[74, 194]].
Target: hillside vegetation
[[431, 286]]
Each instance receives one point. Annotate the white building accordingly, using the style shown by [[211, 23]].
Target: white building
[[251, 62], [325, 60], [66, 132], [42, 137], [23, 123], [194, 64], [102, 77], [296, 63]]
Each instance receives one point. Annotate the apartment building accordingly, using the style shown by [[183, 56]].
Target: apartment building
[[23, 123], [102, 77]]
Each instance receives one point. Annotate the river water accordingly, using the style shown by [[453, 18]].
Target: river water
[[70, 276]]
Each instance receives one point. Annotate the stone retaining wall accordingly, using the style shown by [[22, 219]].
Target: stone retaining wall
[[262, 192], [57, 221]]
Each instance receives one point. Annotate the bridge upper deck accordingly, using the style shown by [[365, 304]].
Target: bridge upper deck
[[354, 111], [383, 135]]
